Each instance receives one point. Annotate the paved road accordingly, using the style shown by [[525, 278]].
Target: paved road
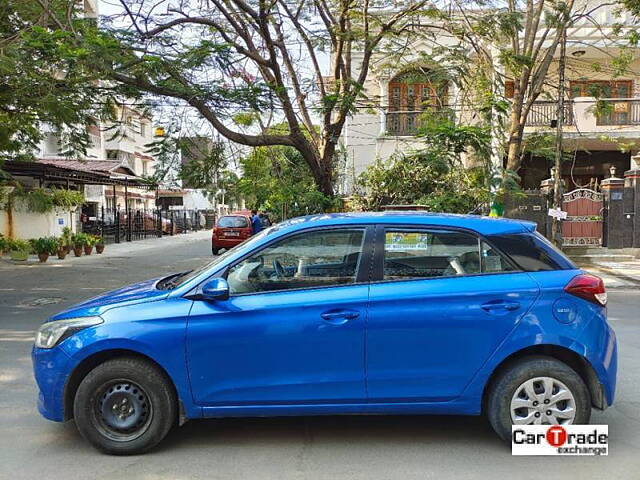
[[364, 447]]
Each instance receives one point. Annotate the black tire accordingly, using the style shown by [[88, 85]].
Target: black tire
[[504, 387], [215, 250], [151, 403]]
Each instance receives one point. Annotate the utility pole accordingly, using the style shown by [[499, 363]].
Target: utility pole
[[556, 226]]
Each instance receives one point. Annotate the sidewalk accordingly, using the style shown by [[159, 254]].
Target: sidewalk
[[112, 250], [621, 274]]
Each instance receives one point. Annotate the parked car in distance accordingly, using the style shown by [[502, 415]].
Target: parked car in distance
[[363, 313], [231, 230]]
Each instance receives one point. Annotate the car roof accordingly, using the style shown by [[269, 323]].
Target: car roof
[[477, 223]]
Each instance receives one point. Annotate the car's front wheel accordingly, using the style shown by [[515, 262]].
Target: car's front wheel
[[537, 390], [125, 406]]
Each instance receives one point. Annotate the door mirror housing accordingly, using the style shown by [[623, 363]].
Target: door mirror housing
[[215, 289]]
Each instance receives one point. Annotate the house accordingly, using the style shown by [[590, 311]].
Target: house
[[596, 138]]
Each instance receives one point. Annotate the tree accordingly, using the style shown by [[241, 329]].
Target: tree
[[514, 42], [433, 176], [41, 79], [278, 181], [247, 65]]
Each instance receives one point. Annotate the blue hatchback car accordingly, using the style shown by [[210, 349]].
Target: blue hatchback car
[[374, 313]]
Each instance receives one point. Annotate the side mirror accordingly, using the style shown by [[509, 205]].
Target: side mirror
[[215, 289]]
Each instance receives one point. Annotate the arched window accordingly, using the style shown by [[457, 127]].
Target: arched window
[[410, 94]]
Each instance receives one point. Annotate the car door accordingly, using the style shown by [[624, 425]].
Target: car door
[[441, 301], [291, 332]]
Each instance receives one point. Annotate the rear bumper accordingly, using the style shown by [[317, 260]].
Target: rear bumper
[[602, 354], [226, 242]]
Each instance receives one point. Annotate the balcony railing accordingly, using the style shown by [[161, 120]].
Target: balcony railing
[[407, 123], [542, 114], [618, 111]]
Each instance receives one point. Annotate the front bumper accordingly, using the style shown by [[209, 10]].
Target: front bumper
[[51, 369]]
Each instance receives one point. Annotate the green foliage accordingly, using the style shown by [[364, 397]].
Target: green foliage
[[81, 239], [41, 200], [277, 180], [43, 79], [433, 176], [18, 245], [66, 199], [47, 245], [66, 237], [4, 244]]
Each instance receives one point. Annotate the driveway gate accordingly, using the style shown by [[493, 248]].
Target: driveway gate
[[583, 225]]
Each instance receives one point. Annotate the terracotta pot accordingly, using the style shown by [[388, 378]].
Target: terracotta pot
[[67, 249], [62, 252], [43, 257], [77, 251], [99, 248], [88, 249]]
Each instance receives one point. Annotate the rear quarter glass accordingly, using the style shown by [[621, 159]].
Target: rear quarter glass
[[532, 252]]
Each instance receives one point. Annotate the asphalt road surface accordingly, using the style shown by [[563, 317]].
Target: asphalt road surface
[[356, 447]]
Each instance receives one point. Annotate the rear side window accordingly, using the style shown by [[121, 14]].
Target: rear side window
[[233, 222], [438, 253], [532, 252]]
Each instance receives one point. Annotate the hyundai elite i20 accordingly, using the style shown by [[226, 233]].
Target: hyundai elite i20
[[392, 313]]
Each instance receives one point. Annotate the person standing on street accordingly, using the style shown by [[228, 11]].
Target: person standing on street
[[256, 222]]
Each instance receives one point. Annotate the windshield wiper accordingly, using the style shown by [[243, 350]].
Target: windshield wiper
[[167, 283]]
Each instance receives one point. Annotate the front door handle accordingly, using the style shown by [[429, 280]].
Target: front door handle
[[338, 317], [500, 305]]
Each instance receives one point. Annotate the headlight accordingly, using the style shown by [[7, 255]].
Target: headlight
[[52, 333]]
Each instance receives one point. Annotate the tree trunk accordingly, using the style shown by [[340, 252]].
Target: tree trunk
[[320, 164], [516, 129]]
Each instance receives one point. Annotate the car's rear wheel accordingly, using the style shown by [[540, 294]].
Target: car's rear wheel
[[537, 390], [125, 406], [215, 250]]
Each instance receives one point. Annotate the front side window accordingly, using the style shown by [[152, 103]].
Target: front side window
[[438, 253], [313, 259]]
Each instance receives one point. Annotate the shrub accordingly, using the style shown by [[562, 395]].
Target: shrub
[[45, 245], [81, 239], [19, 245]]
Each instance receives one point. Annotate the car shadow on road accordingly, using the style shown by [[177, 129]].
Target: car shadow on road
[[347, 429]]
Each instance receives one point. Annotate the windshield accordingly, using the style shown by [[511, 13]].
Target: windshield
[[234, 221], [175, 280]]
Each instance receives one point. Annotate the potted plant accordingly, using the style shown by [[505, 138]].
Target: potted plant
[[99, 242], [66, 239], [88, 244], [45, 246], [19, 249], [61, 248], [77, 240]]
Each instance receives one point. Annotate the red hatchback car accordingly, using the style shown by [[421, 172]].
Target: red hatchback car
[[230, 231]]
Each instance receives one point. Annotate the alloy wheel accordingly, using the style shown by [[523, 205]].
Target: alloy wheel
[[543, 401]]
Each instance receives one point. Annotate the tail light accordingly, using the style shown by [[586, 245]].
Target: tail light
[[589, 287], [215, 231]]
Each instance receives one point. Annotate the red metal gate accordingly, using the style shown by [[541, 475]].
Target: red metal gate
[[583, 225]]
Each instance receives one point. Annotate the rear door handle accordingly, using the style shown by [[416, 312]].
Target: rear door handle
[[500, 305], [338, 317]]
